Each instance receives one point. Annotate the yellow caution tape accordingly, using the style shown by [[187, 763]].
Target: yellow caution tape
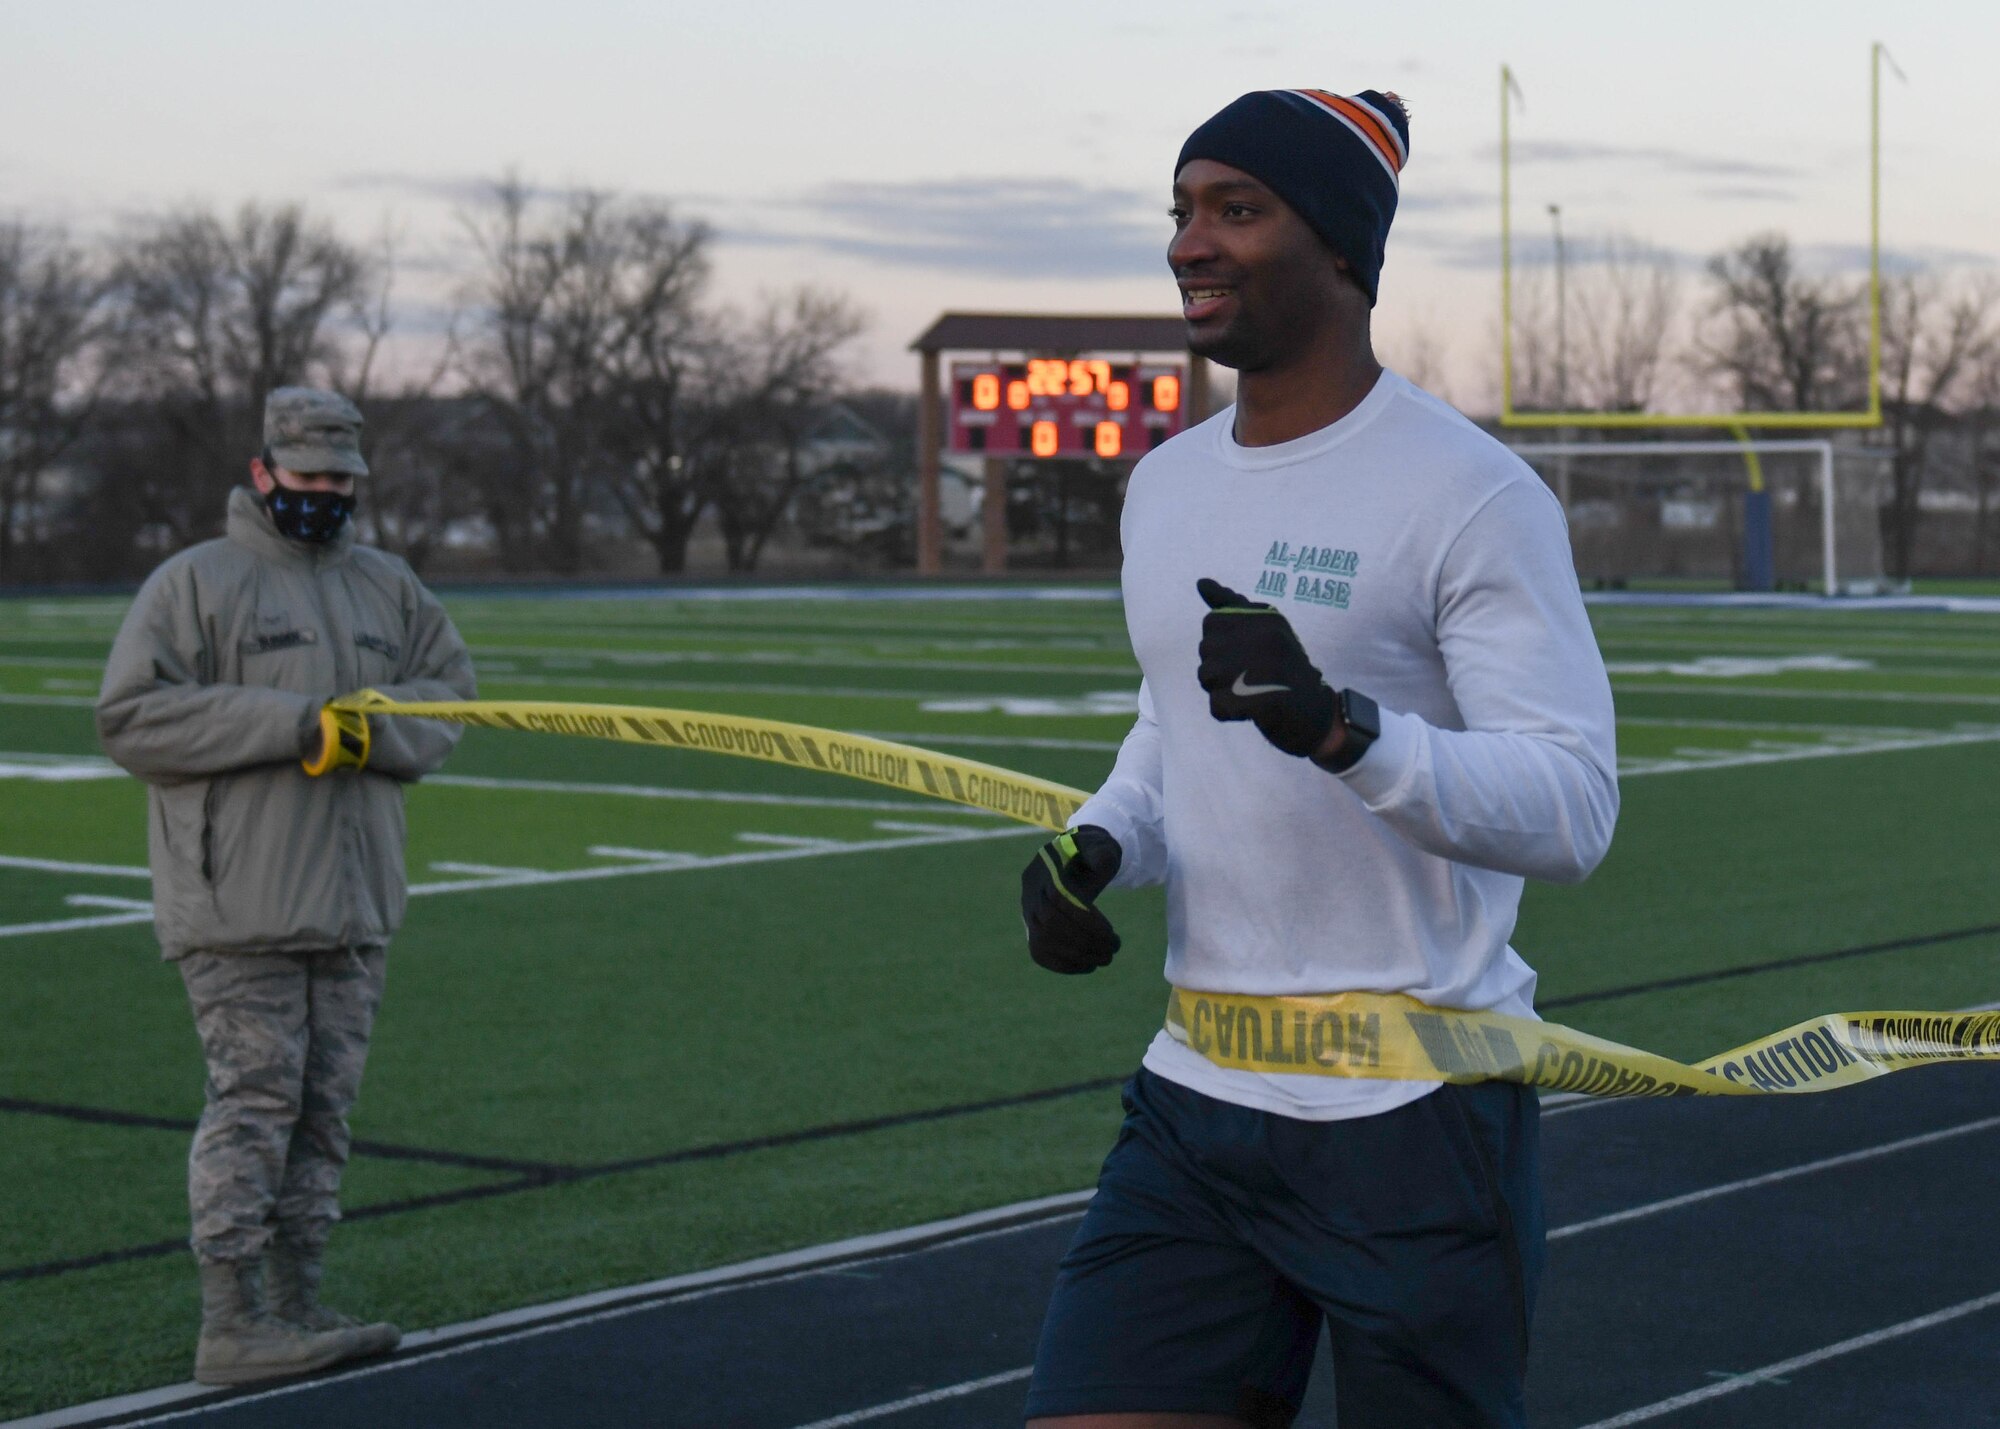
[[879, 761], [1366, 1034], [1350, 1034]]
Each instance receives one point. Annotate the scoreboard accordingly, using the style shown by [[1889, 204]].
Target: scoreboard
[[1065, 407]]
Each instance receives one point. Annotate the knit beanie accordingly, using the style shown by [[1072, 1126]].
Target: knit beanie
[[1334, 158]]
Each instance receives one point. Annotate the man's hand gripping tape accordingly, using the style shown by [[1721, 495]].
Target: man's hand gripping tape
[[343, 742]]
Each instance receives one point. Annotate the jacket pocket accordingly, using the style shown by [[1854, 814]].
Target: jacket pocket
[[178, 849]]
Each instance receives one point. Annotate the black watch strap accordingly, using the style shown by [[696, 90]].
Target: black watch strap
[[1364, 726]]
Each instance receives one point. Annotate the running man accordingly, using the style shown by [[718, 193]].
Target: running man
[[1371, 707]]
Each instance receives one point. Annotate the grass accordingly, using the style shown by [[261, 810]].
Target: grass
[[1791, 805]]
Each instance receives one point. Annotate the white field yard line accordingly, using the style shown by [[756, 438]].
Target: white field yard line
[[68, 768], [1807, 643], [888, 694], [1736, 759], [998, 741], [727, 687], [53, 662], [75, 925], [680, 863], [1626, 685], [1758, 726], [58, 865], [1976, 670], [1630, 685], [712, 796], [75, 702], [486, 880], [1627, 770], [826, 635], [857, 661]]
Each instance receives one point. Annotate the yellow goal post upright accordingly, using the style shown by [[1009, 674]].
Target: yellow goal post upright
[[1757, 514]]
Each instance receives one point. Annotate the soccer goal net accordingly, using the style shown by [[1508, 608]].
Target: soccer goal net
[[1764, 515]]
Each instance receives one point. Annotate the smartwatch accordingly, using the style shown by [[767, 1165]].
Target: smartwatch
[[1364, 726]]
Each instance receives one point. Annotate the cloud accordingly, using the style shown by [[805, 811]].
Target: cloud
[[470, 190], [1584, 249], [440, 188], [1896, 262], [1445, 200], [1750, 193], [993, 227], [1535, 250], [1558, 151]]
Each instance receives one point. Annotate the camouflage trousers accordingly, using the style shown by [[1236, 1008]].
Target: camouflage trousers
[[286, 1037]]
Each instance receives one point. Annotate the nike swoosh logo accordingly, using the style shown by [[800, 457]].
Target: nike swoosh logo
[[1239, 688]]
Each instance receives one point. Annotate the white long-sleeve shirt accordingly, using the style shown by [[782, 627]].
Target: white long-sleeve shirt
[[1426, 566]]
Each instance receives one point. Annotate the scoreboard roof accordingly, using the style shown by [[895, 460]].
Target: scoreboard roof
[[1030, 332]]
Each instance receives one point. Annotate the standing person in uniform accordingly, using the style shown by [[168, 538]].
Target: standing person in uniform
[[1371, 707], [275, 835]]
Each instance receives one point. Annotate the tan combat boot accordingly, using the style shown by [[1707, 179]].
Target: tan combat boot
[[295, 1271], [242, 1343]]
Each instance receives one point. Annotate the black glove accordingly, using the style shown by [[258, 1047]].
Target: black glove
[[1066, 934], [1254, 668]]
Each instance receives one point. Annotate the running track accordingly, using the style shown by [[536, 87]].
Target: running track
[[1824, 1260]]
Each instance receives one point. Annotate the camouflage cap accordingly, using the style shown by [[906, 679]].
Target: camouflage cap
[[310, 430]]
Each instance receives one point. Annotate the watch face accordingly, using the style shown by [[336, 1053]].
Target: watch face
[[1361, 714]]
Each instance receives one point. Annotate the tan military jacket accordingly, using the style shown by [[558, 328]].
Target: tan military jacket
[[212, 695]]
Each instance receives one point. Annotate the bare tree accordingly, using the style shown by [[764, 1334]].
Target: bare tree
[[569, 310], [415, 440], [213, 314], [1932, 341], [784, 366], [1610, 342], [51, 374], [1537, 340], [671, 356], [1628, 300], [1784, 341]]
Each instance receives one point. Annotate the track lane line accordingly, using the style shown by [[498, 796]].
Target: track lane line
[[1798, 1362], [1772, 1178], [918, 1401]]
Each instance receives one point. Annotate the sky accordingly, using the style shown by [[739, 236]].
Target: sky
[[924, 157]]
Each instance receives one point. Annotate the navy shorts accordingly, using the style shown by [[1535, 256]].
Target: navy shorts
[[1221, 1238]]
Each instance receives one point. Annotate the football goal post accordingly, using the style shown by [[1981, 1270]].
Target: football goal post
[[1756, 515]]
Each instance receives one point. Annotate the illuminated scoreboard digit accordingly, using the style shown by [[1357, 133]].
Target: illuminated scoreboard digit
[[1065, 407]]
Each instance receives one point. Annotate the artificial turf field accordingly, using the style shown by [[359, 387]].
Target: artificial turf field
[[652, 1011]]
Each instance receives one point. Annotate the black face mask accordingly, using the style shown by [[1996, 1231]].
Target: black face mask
[[314, 517]]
